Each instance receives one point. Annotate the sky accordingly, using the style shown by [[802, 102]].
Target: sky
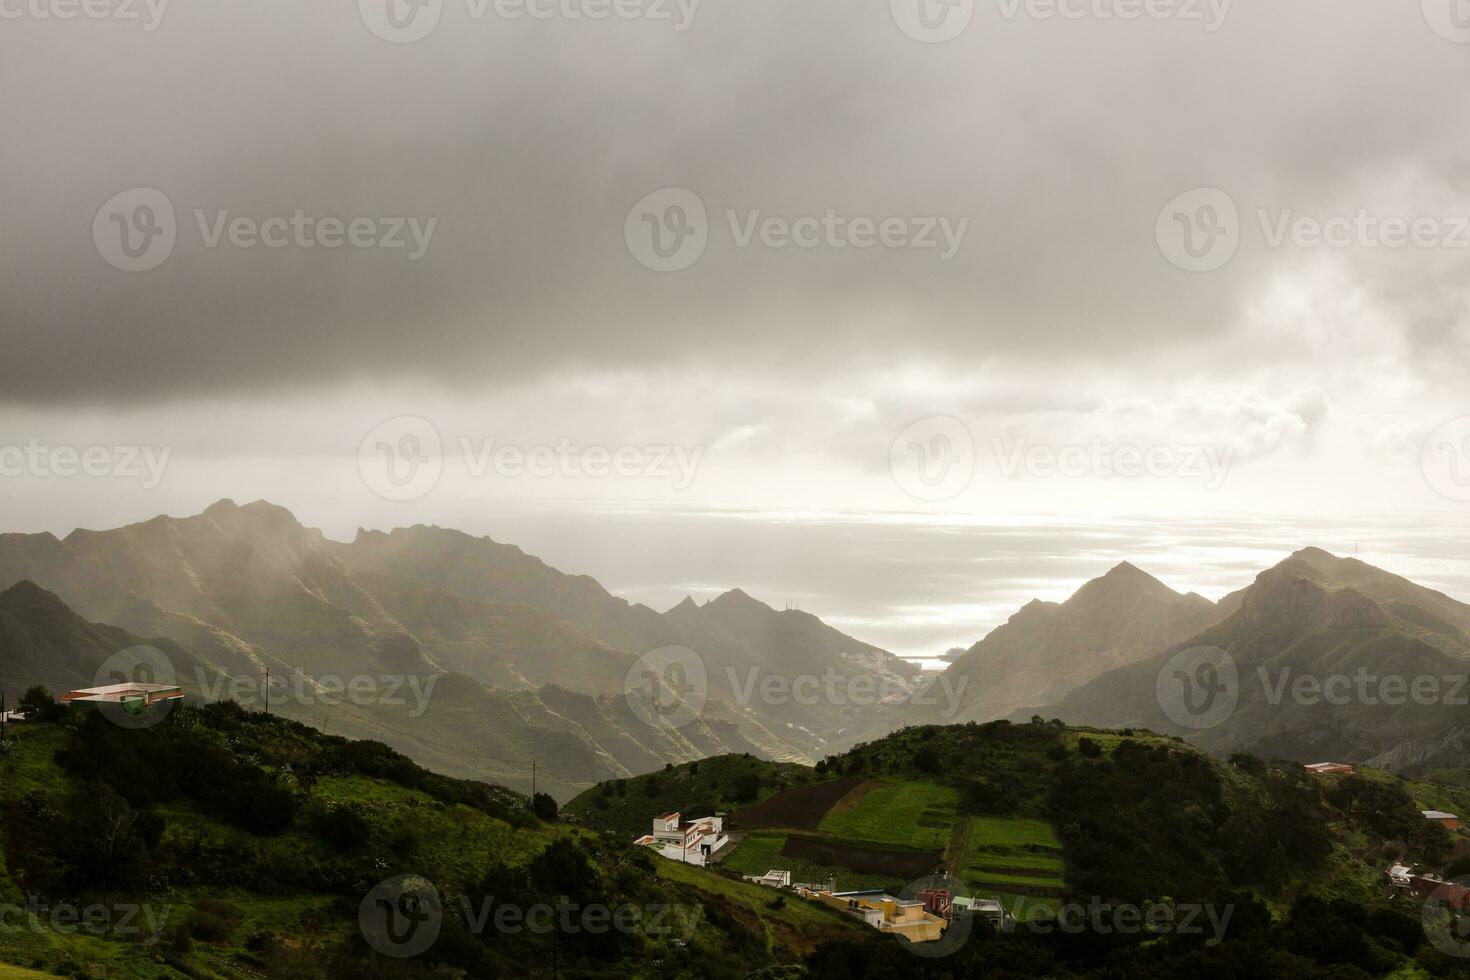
[[611, 286]]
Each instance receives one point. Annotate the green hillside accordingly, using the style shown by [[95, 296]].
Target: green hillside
[[246, 845]]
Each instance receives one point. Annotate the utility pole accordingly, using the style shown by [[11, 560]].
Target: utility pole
[[2, 716]]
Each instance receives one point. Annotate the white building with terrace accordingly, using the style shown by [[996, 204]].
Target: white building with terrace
[[690, 841]]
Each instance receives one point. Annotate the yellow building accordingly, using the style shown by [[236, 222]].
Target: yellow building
[[886, 914]]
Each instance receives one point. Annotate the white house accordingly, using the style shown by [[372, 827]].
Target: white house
[[690, 841], [772, 879]]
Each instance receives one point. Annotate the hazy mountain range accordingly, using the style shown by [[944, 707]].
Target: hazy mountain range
[[511, 662], [529, 663]]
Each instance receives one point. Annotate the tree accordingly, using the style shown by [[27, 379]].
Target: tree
[[1088, 748], [37, 704], [544, 806], [746, 787]]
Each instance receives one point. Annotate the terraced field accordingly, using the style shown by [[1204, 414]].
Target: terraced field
[[910, 814], [1014, 859]]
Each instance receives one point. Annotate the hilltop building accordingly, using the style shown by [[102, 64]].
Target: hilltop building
[[692, 841], [1329, 769], [133, 696]]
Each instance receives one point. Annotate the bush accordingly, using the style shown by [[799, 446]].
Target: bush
[[544, 806], [37, 704], [343, 828]]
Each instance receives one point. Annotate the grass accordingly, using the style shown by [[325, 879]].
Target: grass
[[991, 833], [911, 814], [999, 880], [1011, 843]]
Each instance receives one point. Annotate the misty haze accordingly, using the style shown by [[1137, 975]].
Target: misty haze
[[681, 489]]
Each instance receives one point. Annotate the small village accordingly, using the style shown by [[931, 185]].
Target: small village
[[923, 918], [702, 841]]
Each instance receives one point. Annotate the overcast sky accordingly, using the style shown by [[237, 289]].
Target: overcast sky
[[1033, 287]]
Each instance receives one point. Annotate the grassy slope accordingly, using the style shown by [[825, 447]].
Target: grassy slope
[[449, 842]]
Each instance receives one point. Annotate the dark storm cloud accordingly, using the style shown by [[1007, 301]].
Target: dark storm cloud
[[529, 141]]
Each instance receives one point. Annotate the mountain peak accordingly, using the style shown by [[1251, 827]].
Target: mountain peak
[[1124, 579], [688, 605], [26, 594]]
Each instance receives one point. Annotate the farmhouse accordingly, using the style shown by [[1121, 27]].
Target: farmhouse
[[880, 910], [1329, 769], [692, 841], [772, 879], [133, 696], [987, 910], [1451, 893], [1446, 820]]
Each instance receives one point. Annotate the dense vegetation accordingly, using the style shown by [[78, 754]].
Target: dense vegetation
[[254, 840]]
